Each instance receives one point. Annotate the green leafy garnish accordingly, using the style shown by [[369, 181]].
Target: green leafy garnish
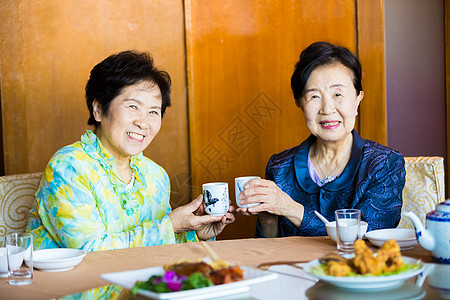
[[196, 281], [170, 282]]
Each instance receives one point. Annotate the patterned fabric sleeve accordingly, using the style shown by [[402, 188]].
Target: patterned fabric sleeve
[[380, 203]]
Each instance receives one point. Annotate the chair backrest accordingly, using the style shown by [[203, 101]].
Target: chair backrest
[[16, 198], [424, 187]]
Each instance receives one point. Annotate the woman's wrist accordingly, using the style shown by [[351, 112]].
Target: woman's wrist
[[173, 220], [294, 213]]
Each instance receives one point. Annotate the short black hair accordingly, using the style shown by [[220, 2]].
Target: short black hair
[[113, 74], [320, 54]]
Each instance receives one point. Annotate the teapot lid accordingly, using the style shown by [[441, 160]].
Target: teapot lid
[[444, 206]]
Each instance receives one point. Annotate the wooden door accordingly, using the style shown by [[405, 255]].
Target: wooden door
[[241, 55], [47, 51]]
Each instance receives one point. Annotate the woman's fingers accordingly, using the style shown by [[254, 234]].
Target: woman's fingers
[[229, 218], [245, 211], [259, 197], [193, 206], [259, 208], [231, 208], [199, 221], [184, 218], [242, 211], [259, 187]]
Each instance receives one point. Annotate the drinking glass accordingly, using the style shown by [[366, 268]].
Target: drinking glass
[[3, 259], [347, 228], [19, 253]]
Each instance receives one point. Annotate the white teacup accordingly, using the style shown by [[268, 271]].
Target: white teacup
[[239, 184], [331, 230], [216, 199]]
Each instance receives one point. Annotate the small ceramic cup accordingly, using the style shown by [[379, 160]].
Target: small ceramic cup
[[216, 199], [239, 184], [331, 230]]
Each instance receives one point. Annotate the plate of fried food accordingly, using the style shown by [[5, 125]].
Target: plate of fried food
[[385, 269], [185, 279]]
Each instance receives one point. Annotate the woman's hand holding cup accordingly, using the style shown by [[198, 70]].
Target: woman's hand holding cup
[[239, 185], [192, 217]]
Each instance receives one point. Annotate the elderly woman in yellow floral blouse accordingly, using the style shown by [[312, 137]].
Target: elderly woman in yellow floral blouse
[[101, 192]]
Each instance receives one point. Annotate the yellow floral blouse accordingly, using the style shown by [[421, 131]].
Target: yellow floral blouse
[[82, 203]]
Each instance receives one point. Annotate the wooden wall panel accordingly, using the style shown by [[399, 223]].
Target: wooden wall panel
[[47, 50], [241, 55], [372, 112]]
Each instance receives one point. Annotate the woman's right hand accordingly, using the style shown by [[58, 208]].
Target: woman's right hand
[[273, 203], [184, 218]]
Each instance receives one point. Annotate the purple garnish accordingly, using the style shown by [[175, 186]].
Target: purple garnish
[[173, 281], [174, 286]]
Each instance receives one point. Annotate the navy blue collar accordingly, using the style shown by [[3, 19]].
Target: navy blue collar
[[345, 179]]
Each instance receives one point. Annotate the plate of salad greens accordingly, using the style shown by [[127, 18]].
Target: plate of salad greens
[[155, 283], [410, 268]]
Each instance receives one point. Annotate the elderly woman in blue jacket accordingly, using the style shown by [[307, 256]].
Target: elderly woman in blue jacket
[[334, 168]]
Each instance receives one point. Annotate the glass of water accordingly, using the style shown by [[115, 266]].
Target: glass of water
[[19, 253], [347, 228]]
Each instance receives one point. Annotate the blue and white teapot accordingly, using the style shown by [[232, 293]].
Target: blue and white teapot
[[436, 237]]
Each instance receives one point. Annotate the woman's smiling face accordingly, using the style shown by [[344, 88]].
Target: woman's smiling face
[[133, 120], [330, 104]]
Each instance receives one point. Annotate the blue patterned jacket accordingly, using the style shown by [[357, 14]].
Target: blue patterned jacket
[[372, 181]]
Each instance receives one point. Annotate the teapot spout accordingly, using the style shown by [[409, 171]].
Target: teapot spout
[[424, 237]]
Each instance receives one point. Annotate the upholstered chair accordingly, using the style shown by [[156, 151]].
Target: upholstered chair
[[424, 187], [16, 198]]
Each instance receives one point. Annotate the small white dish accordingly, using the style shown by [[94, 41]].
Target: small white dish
[[370, 282], [331, 229], [57, 259], [405, 238]]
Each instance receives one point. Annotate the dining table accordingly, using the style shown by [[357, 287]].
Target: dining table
[[282, 256]]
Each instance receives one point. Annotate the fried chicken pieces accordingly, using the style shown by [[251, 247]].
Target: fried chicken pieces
[[364, 261], [390, 255], [338, 268], [388, 258]]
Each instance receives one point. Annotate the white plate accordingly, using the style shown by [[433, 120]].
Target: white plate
[[57, 259], [127, 279], [322, 290], [367, 283], [405, 238]]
